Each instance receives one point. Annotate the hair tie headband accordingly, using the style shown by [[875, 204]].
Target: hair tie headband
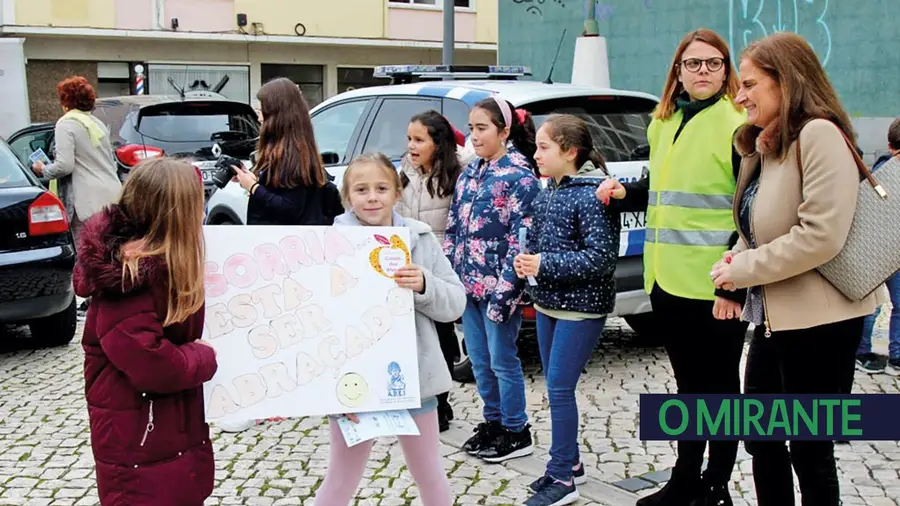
[[504, 110]]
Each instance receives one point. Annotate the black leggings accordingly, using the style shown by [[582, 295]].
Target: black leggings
[[706, 359], [450, 349], [816, 360]]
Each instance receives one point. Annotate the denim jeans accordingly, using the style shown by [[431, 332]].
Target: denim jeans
[[495, 363], [865, 345], [566, 346]]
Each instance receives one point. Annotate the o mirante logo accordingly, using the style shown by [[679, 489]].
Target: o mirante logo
[[869, 417]]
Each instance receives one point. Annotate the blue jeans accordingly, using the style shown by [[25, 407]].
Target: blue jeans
[[495, 364], [566, 346], [865, 345]]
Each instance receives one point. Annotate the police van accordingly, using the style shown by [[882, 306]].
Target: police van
[[376, 118]]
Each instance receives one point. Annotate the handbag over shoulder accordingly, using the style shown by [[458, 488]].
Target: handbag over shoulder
[[871, 253]]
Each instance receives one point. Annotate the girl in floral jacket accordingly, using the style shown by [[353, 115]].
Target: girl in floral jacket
[[491, 203]]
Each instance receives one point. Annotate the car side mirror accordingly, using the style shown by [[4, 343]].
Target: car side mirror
[[330, 158]]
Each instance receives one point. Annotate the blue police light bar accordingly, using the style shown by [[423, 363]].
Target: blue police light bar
[[409, 73]]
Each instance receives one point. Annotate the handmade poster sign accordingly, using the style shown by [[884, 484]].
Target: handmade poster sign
[[308, 321]]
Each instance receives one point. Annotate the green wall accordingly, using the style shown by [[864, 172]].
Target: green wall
[[857, 40]]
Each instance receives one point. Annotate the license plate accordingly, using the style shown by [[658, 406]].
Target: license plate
[[207, 169], [632, 220]]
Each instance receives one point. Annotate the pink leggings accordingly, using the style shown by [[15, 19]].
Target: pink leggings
[[422, 454]]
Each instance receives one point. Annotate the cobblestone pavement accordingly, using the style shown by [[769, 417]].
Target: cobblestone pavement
[[45, 457]]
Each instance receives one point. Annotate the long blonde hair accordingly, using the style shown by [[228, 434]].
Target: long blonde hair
[[164, 198], [673, 87]]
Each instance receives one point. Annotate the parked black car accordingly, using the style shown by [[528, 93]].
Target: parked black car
[[37, 255], [147, 126]]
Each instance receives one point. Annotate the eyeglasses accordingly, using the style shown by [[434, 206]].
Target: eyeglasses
[[712, 64]]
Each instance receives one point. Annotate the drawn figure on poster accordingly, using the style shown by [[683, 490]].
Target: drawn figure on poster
[[390, 256], [396, 383], [352, 390]]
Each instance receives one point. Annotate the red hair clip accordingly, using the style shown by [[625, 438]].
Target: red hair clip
[[460, 137], [520, 113]]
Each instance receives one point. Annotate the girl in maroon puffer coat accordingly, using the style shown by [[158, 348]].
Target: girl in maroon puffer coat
[[142, 263]]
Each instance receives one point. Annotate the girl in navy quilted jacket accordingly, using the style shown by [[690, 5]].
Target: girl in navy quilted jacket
[[491, 202], [570, 260]]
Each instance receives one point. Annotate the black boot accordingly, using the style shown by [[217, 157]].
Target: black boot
[[678, 491], [713, 494], [445, 412]]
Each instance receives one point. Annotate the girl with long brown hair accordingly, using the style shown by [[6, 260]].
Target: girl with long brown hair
[[288, 185], [428, 173], [142, 261], [794, 205], [693, 168]]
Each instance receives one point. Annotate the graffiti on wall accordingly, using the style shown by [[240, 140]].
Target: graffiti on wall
[[535, 7], [750, 20]]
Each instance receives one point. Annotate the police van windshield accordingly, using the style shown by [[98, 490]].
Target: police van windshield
[[618, 124]]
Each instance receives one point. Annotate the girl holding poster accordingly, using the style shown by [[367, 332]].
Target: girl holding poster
[[371, 188], [573, 248], [144, 365]]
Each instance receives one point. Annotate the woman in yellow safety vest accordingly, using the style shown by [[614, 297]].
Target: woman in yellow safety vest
[[688, 194]]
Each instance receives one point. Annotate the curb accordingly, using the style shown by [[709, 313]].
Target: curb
[[594, 490]]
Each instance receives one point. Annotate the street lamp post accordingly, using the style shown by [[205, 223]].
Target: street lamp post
[[591, 28], [590, 64], [449, 33]]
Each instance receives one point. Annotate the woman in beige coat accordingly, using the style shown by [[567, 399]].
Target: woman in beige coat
[[793, 217], [84, 164], [429, 171]]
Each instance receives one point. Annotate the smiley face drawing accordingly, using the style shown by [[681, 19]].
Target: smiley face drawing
[[352, 390]]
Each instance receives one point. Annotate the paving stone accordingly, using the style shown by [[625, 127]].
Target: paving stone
[[634, 484], [657, 477]]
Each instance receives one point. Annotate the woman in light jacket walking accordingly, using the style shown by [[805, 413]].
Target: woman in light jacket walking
[[793, 213], [84, 165], [434, 160]]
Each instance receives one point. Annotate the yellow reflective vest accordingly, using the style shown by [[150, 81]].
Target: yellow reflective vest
[[689, 217]]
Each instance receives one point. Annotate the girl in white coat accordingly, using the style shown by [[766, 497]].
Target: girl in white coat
[[435, 157]]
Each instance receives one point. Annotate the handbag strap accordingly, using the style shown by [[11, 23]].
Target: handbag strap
[[860, 165]]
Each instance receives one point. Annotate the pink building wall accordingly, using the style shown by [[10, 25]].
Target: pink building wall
[[202, 15], [193, 15], [427, 24], [134, 14]]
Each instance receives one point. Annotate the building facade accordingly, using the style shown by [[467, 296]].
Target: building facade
[[234, 46]]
